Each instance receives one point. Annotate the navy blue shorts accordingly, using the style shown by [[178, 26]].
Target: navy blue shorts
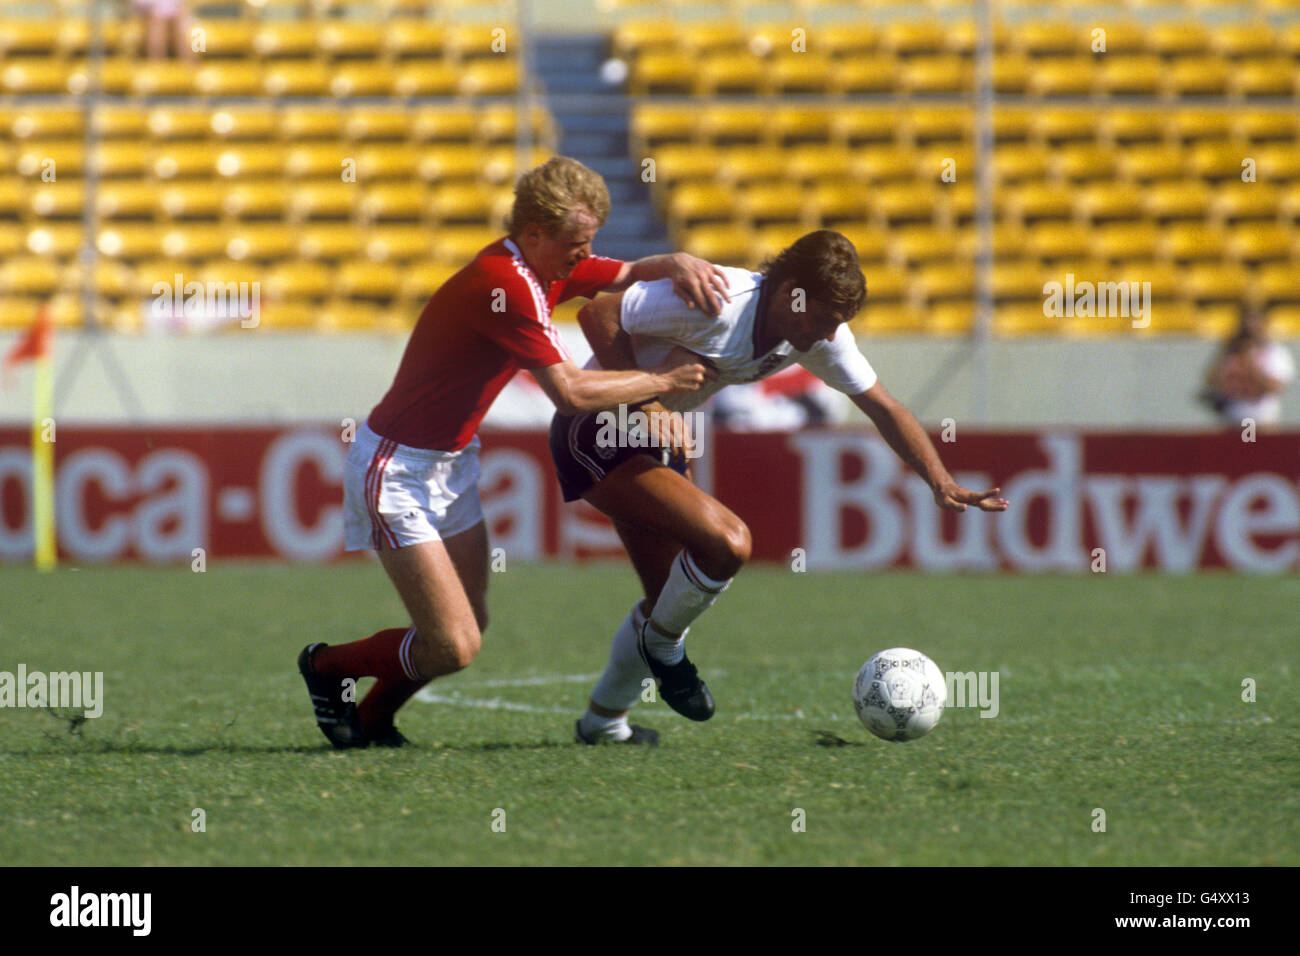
[[580, 462]]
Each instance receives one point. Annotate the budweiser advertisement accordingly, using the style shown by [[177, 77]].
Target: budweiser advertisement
[[826, 498]]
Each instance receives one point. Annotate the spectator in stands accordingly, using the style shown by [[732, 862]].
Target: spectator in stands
[[158, 19], [1248, 376]]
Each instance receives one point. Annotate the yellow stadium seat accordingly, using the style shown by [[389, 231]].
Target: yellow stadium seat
[[240, 123], [708, 37], [1215, 282], [726, 125], [1197, 76], [451, 163], [1288, 35], [938, 125], [891, 318], [792, 125], [186, 200], [228, 37], [499, 123], [911, 37], [654, 125], [440, 124], [690, 204], [1012, 72], [468, 203], [174, 123], [299, 123], [423, 278], [763, 203], [1278, 282], [1079, 164], [662, 72], [235, 78], [1275, 76], [55, 239], [398, 242], [320, 161], [152, 271], [725, 245], [866, 73], [957, 202], [949, 318], [920, 245], [1217, 162], [1243, 40], [1063, 75], [416, 39], [1016, 280], [1257, 126], [742, 166], [1126, 127], [1178, 38], [1118, 241], [28, 37], [469, 41], [29, 275], [963, 36], [433, 78], [296, 78], [286, 39], [1145, 164], [127, 241], [1014, 321], [1048, 38], [163, 78], [1109, 201], [1192, 242], [884, 285], [675, 163], [361, 79], [1236, 202], [809, 163], [458, 245], [49, 159], [12, 238], [34, 75], [946, 73], [1054, 127], [346, 38], [369, 125], [731, 73], [858, 127], [192, 243], [898, 203], [849, 39], [1016, 164], [633, 37], [1129, 75], [873, 245], [322, 200], [112, 279], [1057, 241], [1035, 202], [255, 200], [251, 161], [1279, 164], [879, 164], [489, 78], [263, 242], [805, 73], [1255, 243], [116, 74], [57, 200], [366, 279], [1284, 321], [51, 123], [389, 161], [329, 242], [1197, 126], [946, 281]]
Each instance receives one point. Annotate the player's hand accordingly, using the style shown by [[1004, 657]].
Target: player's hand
[[700, 284], [683, 371], [669, 430], [954, 497]]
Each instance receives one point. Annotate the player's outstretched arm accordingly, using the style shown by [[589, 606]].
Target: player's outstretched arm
[[910, 442], [576, 390], [700, 284]]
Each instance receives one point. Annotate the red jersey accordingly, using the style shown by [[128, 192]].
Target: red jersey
[[483, 325]]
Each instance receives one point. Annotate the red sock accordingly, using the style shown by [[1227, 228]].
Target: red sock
[[379, 706], [379, 655]]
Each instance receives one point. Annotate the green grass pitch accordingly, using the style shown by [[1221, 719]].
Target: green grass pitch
[[1116, 693]]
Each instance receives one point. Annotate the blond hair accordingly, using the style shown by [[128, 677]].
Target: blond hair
[[547, 195]]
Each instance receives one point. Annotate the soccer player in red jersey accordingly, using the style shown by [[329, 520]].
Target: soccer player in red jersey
[[410, 485]]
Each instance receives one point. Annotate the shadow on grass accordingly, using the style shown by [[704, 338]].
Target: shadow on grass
[[78, 747]]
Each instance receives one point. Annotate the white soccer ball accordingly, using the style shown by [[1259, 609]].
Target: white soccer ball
[[899, 694]]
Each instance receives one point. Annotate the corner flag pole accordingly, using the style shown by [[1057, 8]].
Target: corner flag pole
[[46, 555]]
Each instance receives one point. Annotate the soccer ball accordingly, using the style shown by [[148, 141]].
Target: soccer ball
[[899, 694]]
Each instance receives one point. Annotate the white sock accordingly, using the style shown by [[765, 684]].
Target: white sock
[[620, 686], [595, 726], [687, 594]]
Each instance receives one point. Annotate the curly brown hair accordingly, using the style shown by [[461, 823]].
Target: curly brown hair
[[824, 264], [547, 195]]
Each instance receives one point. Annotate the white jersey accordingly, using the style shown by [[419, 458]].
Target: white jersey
[[657, 320]]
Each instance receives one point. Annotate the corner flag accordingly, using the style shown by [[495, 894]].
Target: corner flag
[[38, 346]]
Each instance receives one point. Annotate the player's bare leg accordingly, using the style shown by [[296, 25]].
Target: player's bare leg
[[653, 505], [469, 556]]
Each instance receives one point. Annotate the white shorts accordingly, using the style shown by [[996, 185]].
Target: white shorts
[[395, 496]]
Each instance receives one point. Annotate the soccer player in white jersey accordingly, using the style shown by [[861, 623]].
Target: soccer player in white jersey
[[685, 545]]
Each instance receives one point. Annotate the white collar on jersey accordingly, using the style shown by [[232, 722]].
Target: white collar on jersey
[[519, 255]]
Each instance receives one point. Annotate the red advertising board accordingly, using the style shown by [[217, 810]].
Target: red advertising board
[[1175, 502]]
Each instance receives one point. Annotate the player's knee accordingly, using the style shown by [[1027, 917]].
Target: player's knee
[[728, 550], [739, 543]]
